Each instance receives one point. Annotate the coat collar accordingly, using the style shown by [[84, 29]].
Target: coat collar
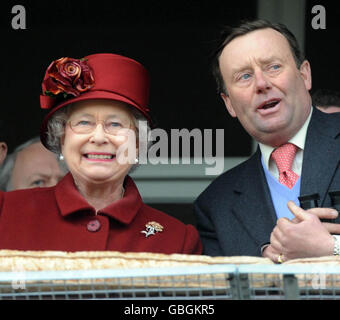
[[70, 201]]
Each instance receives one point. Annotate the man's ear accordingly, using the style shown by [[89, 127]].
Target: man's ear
[[3, 151], [228, 104], [306, 74]]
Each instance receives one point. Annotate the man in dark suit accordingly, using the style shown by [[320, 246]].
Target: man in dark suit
[[264, 81]]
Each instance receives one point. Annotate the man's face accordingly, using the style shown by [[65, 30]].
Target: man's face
[[35, 166], [3, 151], [266, 91]]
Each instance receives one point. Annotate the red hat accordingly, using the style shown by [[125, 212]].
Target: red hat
[[97, 76]]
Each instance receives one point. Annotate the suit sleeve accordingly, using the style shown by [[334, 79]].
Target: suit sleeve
[[207, 232], [192, 242]]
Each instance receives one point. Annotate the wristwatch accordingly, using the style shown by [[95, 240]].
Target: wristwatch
[[336, 249]]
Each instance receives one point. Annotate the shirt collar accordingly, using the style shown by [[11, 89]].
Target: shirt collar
[[70, 201], [299, 140]]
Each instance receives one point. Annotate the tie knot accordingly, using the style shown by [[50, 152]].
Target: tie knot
[[284, 156]]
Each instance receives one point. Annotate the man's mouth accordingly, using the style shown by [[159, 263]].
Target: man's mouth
[[269, 104]]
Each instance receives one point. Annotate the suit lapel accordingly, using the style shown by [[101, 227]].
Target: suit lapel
[[253, 206], [321, 155]]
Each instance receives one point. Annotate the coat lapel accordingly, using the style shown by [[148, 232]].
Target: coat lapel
[[253, 206], [321, 154]]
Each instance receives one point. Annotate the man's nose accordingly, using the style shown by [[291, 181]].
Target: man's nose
[[262, 82]]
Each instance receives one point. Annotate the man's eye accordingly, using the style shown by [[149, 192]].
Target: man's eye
[[38, 183], [245, 76], [276, 67]]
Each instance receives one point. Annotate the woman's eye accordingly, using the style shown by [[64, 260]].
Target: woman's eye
[[83, 123], [275, 67], [114, 124]]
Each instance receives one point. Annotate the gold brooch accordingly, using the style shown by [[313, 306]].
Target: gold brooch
[[151, 228]]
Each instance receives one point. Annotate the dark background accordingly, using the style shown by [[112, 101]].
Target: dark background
[[172, 39], [322, 46]]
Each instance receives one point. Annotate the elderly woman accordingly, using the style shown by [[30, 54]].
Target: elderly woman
[[93, 106]]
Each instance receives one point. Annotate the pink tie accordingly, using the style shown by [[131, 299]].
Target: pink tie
[[284, 157]]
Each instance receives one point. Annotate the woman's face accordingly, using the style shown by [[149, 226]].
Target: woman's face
[[99, 144]]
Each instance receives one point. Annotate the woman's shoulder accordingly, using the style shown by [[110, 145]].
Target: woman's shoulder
[[151, 212]]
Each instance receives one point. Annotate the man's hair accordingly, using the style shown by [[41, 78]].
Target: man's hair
[[326, 98], [230, 33]]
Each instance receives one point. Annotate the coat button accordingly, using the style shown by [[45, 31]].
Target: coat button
[[93, 226]]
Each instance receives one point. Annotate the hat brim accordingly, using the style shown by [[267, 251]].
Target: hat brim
[[90, 95]]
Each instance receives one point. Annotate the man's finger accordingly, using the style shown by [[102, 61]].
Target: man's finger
[[295, 220], [298, 212], [282, 222], [324, 213], [333, 228], [271, 253]]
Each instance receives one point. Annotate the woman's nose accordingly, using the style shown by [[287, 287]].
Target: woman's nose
[[99, 135]]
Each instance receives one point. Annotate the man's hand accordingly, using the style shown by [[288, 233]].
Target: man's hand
[[305, 236]]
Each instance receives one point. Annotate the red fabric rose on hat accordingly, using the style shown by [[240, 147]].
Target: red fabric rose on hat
[[68, 76]]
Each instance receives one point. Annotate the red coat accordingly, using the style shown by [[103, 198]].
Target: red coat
[[59, 218]]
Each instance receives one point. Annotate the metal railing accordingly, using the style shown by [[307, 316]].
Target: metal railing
[[192, 282]]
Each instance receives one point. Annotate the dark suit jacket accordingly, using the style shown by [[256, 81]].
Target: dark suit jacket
[[235, 214]]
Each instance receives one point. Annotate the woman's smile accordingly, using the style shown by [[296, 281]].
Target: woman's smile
[[100, 157]]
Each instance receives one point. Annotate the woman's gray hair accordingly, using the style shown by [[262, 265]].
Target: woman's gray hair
[[56, 129]]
